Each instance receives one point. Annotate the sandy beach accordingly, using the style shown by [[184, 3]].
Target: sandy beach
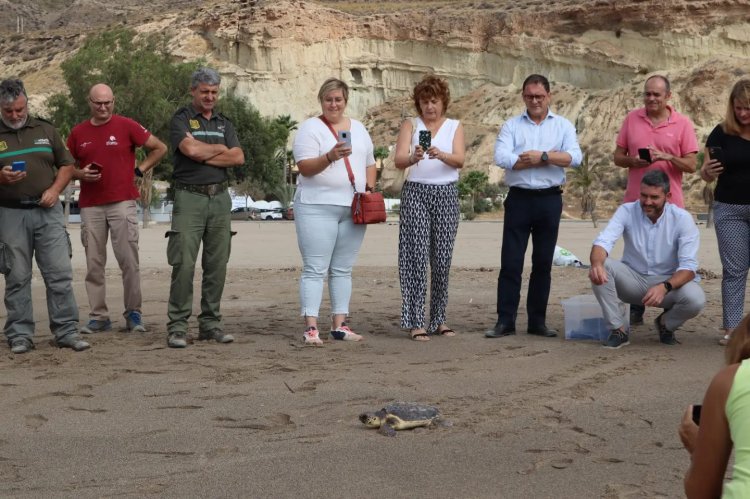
[[267, 417]]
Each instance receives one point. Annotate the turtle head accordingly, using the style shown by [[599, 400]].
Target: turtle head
[[370, 419]]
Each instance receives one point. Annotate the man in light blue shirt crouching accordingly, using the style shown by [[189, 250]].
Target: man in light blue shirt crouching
[[658, 266]]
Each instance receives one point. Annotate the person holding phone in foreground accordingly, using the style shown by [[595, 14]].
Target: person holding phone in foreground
[[432, 147], [534, 149], [727, 161], [655, 136], [32, 223], [724, 423], [104, 147], [328, 239]]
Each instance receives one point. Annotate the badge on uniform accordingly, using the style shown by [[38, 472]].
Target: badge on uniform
[[194, 125], [3, 145]]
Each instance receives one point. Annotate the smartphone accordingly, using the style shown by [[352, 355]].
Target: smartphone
[[425, 139], [644, 154], [697, 414], [18, 166], [95, 166], [716, 153], [346, 137]]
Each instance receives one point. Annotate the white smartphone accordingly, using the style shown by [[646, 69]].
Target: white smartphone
[[346, 137]]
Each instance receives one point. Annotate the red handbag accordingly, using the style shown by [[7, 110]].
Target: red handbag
[[367, 207]]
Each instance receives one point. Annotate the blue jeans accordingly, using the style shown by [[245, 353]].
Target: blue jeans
[[329, 243], [37, 233]]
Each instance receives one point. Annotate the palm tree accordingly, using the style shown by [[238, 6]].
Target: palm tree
[[582, 180]]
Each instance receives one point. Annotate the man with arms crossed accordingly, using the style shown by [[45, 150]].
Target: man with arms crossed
[[534, 149], [658, 263], [205, 144], [104, 147], [670, 140], [32, 224]]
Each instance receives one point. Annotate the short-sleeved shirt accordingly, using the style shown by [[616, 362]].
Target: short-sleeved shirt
[[332, 185], [737, 410], [660, 248], [216, 130], [111, 145], [39, 144], [733, 185], [520, 134], [675, 136]]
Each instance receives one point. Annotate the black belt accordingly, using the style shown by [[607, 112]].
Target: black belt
[[203, 189], [21, 204], [549, 191]]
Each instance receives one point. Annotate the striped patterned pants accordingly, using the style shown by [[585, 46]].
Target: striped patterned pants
[[427, 231], [732, 224]]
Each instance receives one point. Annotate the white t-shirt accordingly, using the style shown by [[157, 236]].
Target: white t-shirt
[[434, 171], [331, 186]]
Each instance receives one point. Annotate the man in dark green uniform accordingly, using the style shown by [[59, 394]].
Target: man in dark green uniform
[[35, 166], [205, 144]]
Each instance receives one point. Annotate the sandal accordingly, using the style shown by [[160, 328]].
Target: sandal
[[724, 341], [419, 335], [444, 332]]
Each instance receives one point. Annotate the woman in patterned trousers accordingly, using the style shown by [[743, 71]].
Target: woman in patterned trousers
[[432, 147]]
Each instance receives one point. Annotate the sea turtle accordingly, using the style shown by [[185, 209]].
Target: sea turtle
[[400, 416]]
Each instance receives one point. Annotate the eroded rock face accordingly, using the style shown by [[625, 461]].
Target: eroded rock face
[[597, 53]]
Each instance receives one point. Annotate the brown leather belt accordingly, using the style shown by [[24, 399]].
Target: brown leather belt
[[202, 189]]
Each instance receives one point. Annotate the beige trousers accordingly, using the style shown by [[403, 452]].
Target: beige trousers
[[119, 220]]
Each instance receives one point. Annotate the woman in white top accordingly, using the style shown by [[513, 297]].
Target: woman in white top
[[429, 207], [328, 239]]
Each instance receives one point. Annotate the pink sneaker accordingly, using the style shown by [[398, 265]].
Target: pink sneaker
[[343, 333], [311, 337]]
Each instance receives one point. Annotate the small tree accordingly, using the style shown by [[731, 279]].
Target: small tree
[[472, 184], [582, 180], [380, 153]]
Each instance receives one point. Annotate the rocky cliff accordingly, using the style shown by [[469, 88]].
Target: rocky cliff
[[596, 52]]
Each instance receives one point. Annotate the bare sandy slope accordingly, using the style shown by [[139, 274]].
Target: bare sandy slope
[[266, 417]]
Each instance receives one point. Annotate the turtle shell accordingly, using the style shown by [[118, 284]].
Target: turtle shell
[[408, 411]]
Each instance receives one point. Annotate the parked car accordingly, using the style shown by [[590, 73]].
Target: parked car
[[274, 214]]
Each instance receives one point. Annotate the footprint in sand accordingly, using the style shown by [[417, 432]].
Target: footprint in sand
[[34, 421]]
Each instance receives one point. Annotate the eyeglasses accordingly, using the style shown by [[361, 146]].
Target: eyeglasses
[[105, 103], [652, 94], [533, 98]]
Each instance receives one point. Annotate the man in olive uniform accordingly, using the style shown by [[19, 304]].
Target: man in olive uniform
[[205, 144], [35, 167]]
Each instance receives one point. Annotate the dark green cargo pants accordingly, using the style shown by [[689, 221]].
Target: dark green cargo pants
[[197, 218]]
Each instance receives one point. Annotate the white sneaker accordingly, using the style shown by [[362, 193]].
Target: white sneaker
[[343, 333], [311, 337]]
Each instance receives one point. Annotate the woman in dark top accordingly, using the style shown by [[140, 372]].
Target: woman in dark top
[[727, 160]]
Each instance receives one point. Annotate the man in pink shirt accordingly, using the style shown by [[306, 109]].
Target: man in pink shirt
[[666, 140], [104, 147]]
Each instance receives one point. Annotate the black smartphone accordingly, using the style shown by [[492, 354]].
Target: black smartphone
[[18, 166], [644, 154], [95, 166], [345, 136], [716, 153], [425, 139], [697, 414]]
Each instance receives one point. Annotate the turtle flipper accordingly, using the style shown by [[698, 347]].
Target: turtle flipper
[[387, 430]]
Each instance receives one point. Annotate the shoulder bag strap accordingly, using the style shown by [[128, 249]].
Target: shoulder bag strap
[[346, 159]]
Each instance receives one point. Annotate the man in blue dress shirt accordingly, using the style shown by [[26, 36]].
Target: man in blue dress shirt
[[534, 149], [658, 266]]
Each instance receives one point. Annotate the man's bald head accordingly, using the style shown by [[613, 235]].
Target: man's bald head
[[101, 103]]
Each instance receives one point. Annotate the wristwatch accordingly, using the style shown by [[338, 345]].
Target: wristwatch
[[545, 156], [668, 285], [138, 172]]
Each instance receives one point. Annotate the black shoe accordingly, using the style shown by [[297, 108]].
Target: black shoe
[[500, 330], [617, 338], [543, 331], [665, 335], [636, 314]]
